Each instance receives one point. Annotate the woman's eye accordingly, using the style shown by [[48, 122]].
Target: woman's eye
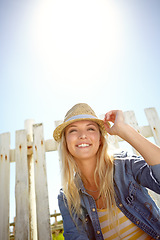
[[91, 129], [72, 130]]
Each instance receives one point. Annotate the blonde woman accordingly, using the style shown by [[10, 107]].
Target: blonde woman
[[105, 197]]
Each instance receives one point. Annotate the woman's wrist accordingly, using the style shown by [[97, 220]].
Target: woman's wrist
[[123, 130]]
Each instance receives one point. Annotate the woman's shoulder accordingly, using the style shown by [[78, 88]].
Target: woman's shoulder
[[128, 161], [123, 155], [120, 155]]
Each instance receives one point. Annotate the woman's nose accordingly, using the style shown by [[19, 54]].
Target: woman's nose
[[82, 135]]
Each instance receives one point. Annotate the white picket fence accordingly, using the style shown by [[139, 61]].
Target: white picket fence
[[31, 191]]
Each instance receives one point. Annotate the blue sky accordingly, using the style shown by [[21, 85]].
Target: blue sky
[[54, 54]]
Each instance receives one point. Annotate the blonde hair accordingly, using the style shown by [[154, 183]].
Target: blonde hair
[[104, 171]]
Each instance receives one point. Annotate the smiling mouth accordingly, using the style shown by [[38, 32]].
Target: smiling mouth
[[83, 145]]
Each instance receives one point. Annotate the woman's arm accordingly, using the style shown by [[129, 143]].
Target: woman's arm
[[149, 151]]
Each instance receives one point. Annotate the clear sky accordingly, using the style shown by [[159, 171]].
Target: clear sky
[[56, 53]]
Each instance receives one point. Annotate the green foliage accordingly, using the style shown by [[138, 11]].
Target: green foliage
[[58, 237]]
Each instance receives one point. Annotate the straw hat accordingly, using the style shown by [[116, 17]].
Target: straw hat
[[78, 112]]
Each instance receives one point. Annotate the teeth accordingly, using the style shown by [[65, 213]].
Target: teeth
[[83, 145]]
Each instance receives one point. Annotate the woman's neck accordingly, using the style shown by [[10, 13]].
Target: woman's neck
[[87, 170]]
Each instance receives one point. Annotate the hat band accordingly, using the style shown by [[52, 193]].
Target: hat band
[[80, 116]]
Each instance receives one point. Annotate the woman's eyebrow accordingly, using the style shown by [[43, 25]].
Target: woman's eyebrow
[[72, 126], [94, 124]]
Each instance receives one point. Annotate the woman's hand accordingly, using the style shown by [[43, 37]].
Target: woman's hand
[[149, 151], [117, 118]]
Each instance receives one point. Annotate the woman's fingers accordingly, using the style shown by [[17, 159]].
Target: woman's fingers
[[116, 117]]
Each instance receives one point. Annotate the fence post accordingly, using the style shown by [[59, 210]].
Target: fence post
[[4, 185], [154, 122], [21, 187], [130, 118], [28, 124], [41, 189]]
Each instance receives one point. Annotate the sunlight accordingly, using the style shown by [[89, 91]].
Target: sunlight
[[76, 39]]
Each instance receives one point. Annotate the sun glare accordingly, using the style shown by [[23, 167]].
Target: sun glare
[[76, 39]]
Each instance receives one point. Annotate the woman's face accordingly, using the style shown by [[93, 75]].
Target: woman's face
[[83, 140]]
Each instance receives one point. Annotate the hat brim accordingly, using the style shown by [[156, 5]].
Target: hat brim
[[57, 134]]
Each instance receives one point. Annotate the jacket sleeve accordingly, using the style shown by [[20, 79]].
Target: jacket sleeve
[[73, 229], [144, 174], [148, 176]]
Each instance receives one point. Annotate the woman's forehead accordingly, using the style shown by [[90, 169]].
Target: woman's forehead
[[82, 122]]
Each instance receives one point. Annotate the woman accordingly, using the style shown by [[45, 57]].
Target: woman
[[105, 197]]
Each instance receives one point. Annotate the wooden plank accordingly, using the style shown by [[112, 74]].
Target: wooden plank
[[154, 122], [113, 142], [146, 131], [50, 145], [12, 155], [21, 187], [41, 188], [31, 183], [155, 197], [4, 185], [130, 118]]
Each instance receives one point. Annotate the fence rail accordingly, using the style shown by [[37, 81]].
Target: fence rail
[[31, 190], [56, 227]]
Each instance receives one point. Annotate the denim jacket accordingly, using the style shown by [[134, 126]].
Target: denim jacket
[[132, 175]]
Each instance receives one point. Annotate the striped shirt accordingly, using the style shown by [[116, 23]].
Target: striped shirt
[[127, 229]]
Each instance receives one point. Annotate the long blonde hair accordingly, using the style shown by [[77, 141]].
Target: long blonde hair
[[104, 171]]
